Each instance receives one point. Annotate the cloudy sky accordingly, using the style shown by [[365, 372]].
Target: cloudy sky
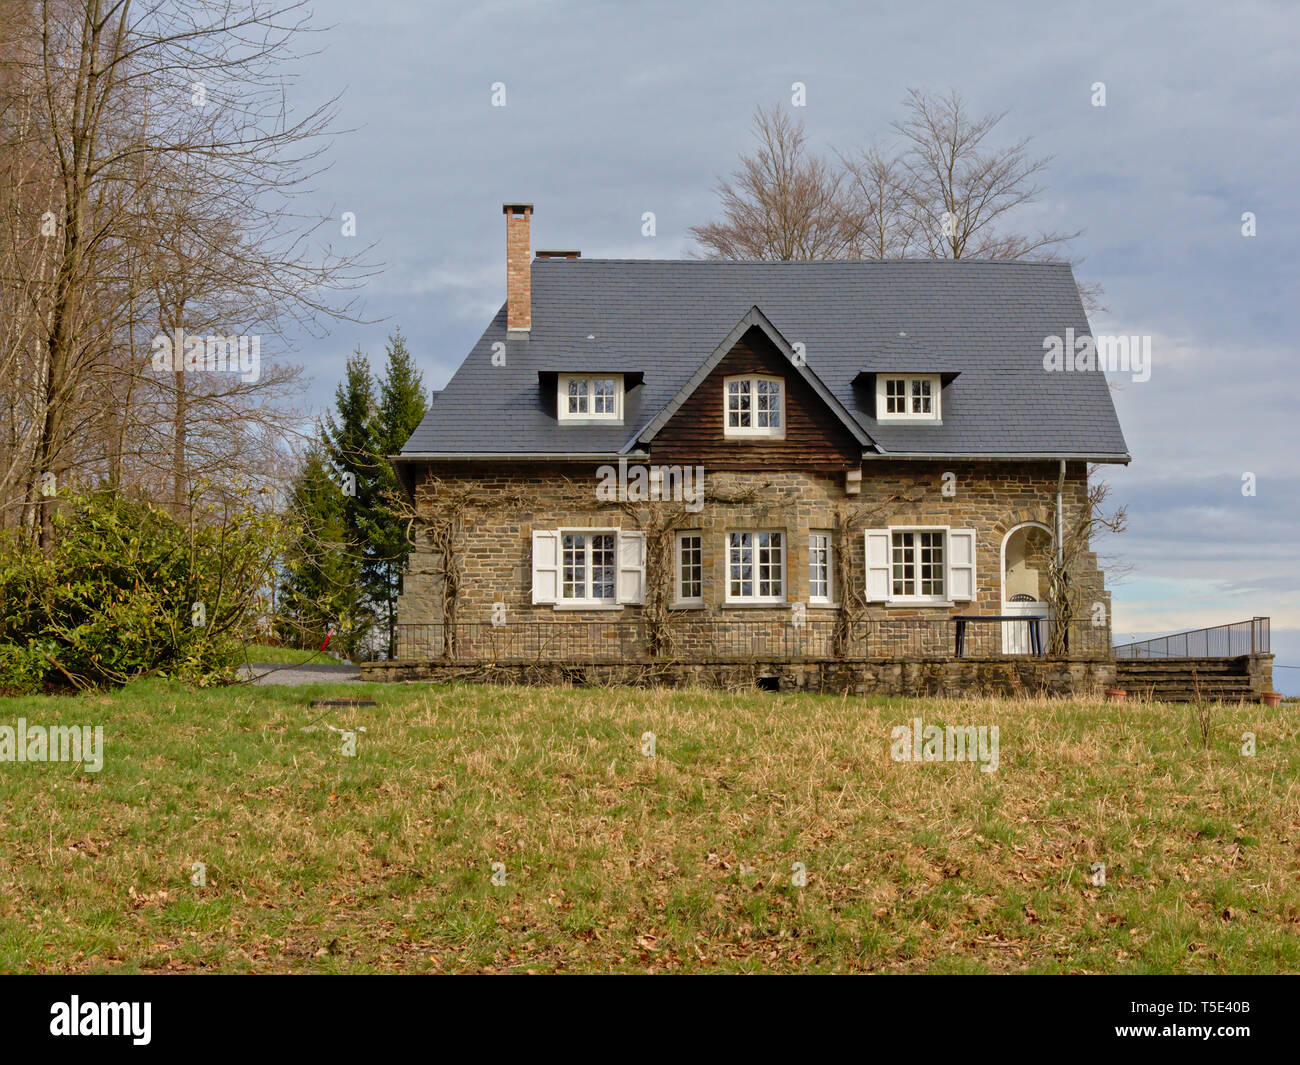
[[614, 110]]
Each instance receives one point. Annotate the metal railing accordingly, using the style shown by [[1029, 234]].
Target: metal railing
[[1221, 641], [690, 640]]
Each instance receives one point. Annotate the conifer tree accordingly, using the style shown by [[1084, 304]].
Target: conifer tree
[[402, 403], [320, 586]]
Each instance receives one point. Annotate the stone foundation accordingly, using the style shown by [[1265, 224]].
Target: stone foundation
[[937, 677]]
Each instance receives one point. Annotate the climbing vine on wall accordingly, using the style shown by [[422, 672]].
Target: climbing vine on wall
[[850, 580], [661, 522], [1064, 563], [444, 526]]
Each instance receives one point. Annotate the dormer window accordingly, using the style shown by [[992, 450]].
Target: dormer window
[[754, 406], [912, 397], [585, 398]]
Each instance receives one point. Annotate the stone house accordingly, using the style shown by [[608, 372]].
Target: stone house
[[704, 460]]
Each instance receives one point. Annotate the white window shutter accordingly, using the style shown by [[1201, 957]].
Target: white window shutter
[[546, 567], [961, 564], [631, 567], [877, 555]]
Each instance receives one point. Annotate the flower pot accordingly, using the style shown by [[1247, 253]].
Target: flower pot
[[1116, 695], [1270, 698]]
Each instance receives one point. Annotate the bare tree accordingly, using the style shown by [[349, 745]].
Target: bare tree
[[172, 159], [783, 202], [946, 191], [959, 190], [877, 188]]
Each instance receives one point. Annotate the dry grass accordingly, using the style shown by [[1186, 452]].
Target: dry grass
[[614, 861]]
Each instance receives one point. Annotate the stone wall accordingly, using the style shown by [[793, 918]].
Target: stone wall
[[936, 677], [1259, 668], [500, 505]]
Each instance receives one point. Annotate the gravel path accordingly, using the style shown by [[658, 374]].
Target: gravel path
[[291, 675]]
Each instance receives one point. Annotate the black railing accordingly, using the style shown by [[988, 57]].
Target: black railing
[[689, 640], [1221, 641]]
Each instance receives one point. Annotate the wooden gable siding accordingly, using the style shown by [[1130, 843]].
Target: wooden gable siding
[[814, 437]]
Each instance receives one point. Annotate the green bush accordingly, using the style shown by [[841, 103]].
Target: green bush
[[130, 591]]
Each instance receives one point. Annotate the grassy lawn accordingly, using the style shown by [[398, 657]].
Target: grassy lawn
[[262, 652], [316, 861]]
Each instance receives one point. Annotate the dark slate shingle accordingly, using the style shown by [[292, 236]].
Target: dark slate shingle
[[985, 320]]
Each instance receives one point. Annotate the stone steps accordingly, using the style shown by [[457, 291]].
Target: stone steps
[[1186, 680], [1192, 697], [1164, 666]]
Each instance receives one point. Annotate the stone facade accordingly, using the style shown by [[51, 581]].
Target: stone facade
[[496, 507]]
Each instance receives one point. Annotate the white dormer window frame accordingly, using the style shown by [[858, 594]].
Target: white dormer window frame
[[589, 397], [908, 397], [753, 405]]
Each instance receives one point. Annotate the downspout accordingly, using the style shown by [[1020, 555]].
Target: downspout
[[1060, 555], [1060, 524]]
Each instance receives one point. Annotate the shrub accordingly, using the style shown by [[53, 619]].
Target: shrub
[[130, 591]]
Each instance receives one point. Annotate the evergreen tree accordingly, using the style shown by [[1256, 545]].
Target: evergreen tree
[[320, 587], [351, 450], [348, 568], [402, 403]]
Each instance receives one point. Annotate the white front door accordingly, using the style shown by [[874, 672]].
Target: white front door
[[1017, 636]]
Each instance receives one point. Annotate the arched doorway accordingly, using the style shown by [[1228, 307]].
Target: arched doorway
[[1026, 555]]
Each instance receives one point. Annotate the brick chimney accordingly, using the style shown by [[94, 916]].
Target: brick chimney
[[519, 269]]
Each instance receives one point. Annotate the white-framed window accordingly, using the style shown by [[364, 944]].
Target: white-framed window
[[916, 564], [821, 590], [753, 405], [755, 567], [911, 397], [588, 566], [689, 589], [921, 565], [588, 569], [590, 398]]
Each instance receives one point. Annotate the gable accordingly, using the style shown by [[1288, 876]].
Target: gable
[[815, 437]]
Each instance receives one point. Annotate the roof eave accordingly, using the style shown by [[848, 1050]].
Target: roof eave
[[1117, 458], [498, 456]]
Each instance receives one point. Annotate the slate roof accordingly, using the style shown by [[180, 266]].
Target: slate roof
[[984, 321]]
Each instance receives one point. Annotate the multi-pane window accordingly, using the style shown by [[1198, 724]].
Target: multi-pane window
[[603, 396], [921, 397], [587, 566], [690, 567], [819, 567], [914, 398], [916, 564], [896, 395], [756, 566], [754, 406], [578, 395], [590, 397]]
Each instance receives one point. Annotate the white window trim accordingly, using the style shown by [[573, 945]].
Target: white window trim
[[562, 603], [562, 398], [829, 598], [694, 602], [757, 600], [921, 600], [936, 393], [766, 432]]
